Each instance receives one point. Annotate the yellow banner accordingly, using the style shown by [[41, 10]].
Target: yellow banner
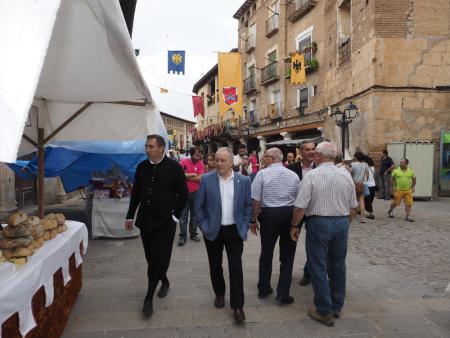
[[230, 84], [298, 75]]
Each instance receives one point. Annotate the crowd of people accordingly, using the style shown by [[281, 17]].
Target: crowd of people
[[225, 195]]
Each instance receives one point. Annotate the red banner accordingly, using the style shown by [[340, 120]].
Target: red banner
[[197, 101]]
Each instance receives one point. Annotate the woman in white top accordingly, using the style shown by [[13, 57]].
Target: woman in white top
[[360, 173], [370, 182]]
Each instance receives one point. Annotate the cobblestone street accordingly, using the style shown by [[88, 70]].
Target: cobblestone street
[[419, 251], [396, 275]]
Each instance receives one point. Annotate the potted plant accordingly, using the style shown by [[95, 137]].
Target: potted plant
[[312, 65]]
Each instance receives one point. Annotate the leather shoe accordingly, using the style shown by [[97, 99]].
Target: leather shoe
[[305, 280], [262, 295], [337, 314], [181, 242], [148, 307], [239, 315], [326, 320], [285, 300], [195, 238], [219, 302], [163, 290]]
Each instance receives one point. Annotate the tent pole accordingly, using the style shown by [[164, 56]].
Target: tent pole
[[41, 164]]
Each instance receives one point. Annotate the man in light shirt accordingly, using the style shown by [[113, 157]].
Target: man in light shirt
[[327, 200], [274, 190], [224, 211]]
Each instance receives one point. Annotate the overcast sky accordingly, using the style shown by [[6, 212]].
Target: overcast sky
[[200, 27]]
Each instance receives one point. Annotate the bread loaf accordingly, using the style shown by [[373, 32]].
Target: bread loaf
[[60, 219], [16, 218], [19, 261], [10, 243], [53, 233], [19, 252], [61, 228], [47, 235], [37, 231], [33, 220], [21, 230], [49, 224]]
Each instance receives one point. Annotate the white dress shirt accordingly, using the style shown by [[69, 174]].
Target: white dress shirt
[[227, 197], [327, 191]]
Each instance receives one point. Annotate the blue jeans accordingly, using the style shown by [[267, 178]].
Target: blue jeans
[[188, 211], [326, 246]]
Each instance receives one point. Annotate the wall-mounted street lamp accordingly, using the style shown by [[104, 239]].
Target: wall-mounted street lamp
[[343, 119]]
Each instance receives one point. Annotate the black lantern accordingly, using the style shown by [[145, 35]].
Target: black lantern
[[343, 119]]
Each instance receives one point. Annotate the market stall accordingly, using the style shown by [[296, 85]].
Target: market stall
[[37, 296]]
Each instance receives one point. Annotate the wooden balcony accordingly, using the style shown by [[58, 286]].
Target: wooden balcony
[[298, 8], [269, 73]]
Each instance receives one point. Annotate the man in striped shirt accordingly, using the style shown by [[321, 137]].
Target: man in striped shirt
[[327, 200], [274, 190]]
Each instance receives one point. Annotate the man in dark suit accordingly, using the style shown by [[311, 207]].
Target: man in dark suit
[[301, 167], [160, 192], [224, 210]]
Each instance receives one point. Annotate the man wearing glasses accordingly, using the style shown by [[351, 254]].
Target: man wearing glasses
[[274, 190]]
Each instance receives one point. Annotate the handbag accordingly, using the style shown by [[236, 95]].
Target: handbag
[[366, 190], [359, 187]]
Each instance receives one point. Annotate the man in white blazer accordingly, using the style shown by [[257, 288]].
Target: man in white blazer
[[224, 210]]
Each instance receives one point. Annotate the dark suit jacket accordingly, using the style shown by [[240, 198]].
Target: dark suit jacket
[[208, 205], [159, 199], [297, 168]]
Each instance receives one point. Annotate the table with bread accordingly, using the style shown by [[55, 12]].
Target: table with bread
[[41, 258]]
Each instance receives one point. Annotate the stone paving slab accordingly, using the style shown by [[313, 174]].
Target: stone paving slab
[[383, 300]]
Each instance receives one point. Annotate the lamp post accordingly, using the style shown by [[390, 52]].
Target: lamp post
[[343, 119]]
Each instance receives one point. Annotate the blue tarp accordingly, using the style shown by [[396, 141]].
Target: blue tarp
[[75, 162]]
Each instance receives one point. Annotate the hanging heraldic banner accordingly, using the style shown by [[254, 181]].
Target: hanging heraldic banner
[[298, 75], [176, 61], [230, 84]]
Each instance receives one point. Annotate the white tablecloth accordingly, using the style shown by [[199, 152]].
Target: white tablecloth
[[19, 284], [108, 217]]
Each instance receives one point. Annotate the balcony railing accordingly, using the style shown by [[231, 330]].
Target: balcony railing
[[272, 25], [269, 73], [274, 110], [250, 44], [250, 84], [298, 8], [345, 52]]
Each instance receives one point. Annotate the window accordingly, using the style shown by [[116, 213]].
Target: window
[[344, 31], [303, 43], [303, 95], [271, 57]]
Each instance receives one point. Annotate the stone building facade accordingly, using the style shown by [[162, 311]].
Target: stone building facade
[[391, 58]]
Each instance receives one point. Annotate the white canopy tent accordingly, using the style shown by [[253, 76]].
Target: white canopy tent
[[71, 64]]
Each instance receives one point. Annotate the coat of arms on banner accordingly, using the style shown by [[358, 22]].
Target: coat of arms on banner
[[230, 95]]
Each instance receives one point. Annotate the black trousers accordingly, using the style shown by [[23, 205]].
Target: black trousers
[[276, 223], [368, 200], [158, 250], [229, 238]]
